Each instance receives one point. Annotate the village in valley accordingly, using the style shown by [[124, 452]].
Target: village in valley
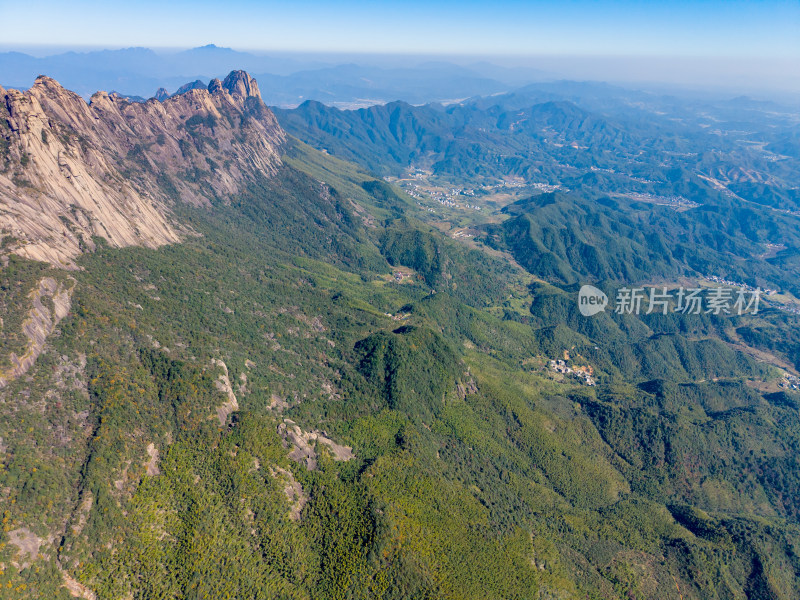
[[566, 369], [789, 382], [585, 373], [422, 185]]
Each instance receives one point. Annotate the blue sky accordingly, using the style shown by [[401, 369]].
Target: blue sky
[[713, 28]]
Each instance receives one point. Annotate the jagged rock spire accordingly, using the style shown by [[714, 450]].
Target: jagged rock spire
[[239, 83]]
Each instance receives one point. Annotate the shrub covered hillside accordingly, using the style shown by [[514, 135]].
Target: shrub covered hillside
[[316, 395]]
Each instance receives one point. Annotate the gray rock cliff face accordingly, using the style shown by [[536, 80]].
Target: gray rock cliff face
[[71, 171]]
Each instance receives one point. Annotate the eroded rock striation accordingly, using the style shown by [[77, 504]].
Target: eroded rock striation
[[72, 171], [40, 323]]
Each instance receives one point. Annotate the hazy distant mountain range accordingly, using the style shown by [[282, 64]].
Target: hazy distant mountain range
[[604, 136], [139, 72]]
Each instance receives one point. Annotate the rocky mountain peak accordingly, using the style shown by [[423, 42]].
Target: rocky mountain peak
[[72, 170], [48, 83], [161, 94], [215, 86], [194, 85], [239, 83]]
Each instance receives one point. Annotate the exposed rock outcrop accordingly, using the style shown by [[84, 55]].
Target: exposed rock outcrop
[[72, 171], [27, 545], [223, 384], [41, 322], [76, 588], [151, 468], [304, 444], [295, 495]]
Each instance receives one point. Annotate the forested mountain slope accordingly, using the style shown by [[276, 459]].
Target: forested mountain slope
[[316, 394], [573, 134]]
